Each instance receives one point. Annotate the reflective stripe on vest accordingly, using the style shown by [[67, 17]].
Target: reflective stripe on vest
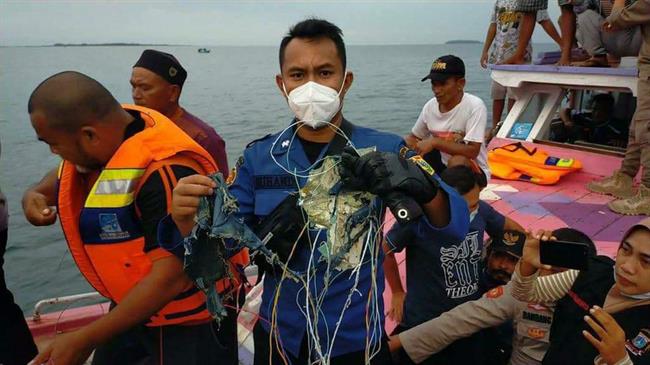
[[114, 188], [102, 228]]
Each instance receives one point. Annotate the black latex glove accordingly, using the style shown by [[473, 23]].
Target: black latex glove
[[285, 227], [383, 173]]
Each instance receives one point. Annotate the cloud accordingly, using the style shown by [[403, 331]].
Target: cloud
[[240, 23]]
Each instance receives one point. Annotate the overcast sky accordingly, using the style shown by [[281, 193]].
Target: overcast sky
[[242, 22]]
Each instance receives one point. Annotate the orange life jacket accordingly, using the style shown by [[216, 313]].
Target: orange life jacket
[[516, 162], [103, 228]]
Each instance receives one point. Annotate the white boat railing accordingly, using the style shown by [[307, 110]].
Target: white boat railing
[[68, 299], [539, 92]]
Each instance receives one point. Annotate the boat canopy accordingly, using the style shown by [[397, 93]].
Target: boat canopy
[[540, 89]]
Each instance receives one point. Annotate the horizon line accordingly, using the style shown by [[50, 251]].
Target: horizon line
[[136, 44]]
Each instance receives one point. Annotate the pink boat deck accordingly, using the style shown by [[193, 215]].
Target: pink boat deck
[[49, 324], [566, 204]]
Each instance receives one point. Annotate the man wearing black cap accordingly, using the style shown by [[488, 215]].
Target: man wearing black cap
[[512, 331], [525, 325], [157, 81], [424, 344], [503, 252], [453, 122]]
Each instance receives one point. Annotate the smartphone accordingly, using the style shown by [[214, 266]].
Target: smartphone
[[570, 255]]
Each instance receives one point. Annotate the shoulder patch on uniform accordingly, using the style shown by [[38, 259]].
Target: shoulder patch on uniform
[[423, 164], [495, 292], [257, 140], [233, 172], [404, 151], [640, 344]]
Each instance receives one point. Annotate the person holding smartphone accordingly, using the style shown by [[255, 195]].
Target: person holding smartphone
[[602, 315], [497, 313]]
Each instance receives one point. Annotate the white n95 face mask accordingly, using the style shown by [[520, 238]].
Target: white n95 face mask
[[314, 104]]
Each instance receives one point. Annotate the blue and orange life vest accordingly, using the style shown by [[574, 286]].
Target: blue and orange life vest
[[103, 229]]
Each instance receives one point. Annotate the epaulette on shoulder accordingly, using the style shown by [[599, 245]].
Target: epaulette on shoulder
[[257, 140]]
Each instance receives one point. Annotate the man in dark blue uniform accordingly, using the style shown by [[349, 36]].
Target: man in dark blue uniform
[[335, 315]]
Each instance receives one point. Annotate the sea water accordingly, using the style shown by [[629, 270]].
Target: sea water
[[232, 88]]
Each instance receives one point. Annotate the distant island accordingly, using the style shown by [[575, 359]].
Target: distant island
[[462, 41], [105, 44]]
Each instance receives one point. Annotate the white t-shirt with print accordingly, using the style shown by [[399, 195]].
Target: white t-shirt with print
[[508, 25], [468, 118]]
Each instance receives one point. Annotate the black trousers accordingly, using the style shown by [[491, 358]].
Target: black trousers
[[262, 354], [172, 345], [16, 343]]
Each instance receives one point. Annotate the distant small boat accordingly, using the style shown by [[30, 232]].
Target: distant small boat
[[204, 50]]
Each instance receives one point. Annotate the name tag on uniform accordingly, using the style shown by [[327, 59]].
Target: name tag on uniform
[[275, 182], [535, 323]]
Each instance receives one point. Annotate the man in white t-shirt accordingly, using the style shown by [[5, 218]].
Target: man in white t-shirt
[[453, 122]]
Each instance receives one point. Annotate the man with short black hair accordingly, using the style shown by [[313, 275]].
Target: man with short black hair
[[453, 121], [119, 166], [157, 80], [596, 126], [322, 317]]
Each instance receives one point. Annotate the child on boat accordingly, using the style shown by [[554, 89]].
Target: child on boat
[[501, 43]]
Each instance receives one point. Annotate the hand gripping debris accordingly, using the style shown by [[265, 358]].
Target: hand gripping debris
[[217, 232]]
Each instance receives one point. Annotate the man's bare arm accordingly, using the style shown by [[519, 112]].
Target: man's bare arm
[[47, 186], [469, 150], [489, 38], [165, 281], [391, 271], [38, 199]]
